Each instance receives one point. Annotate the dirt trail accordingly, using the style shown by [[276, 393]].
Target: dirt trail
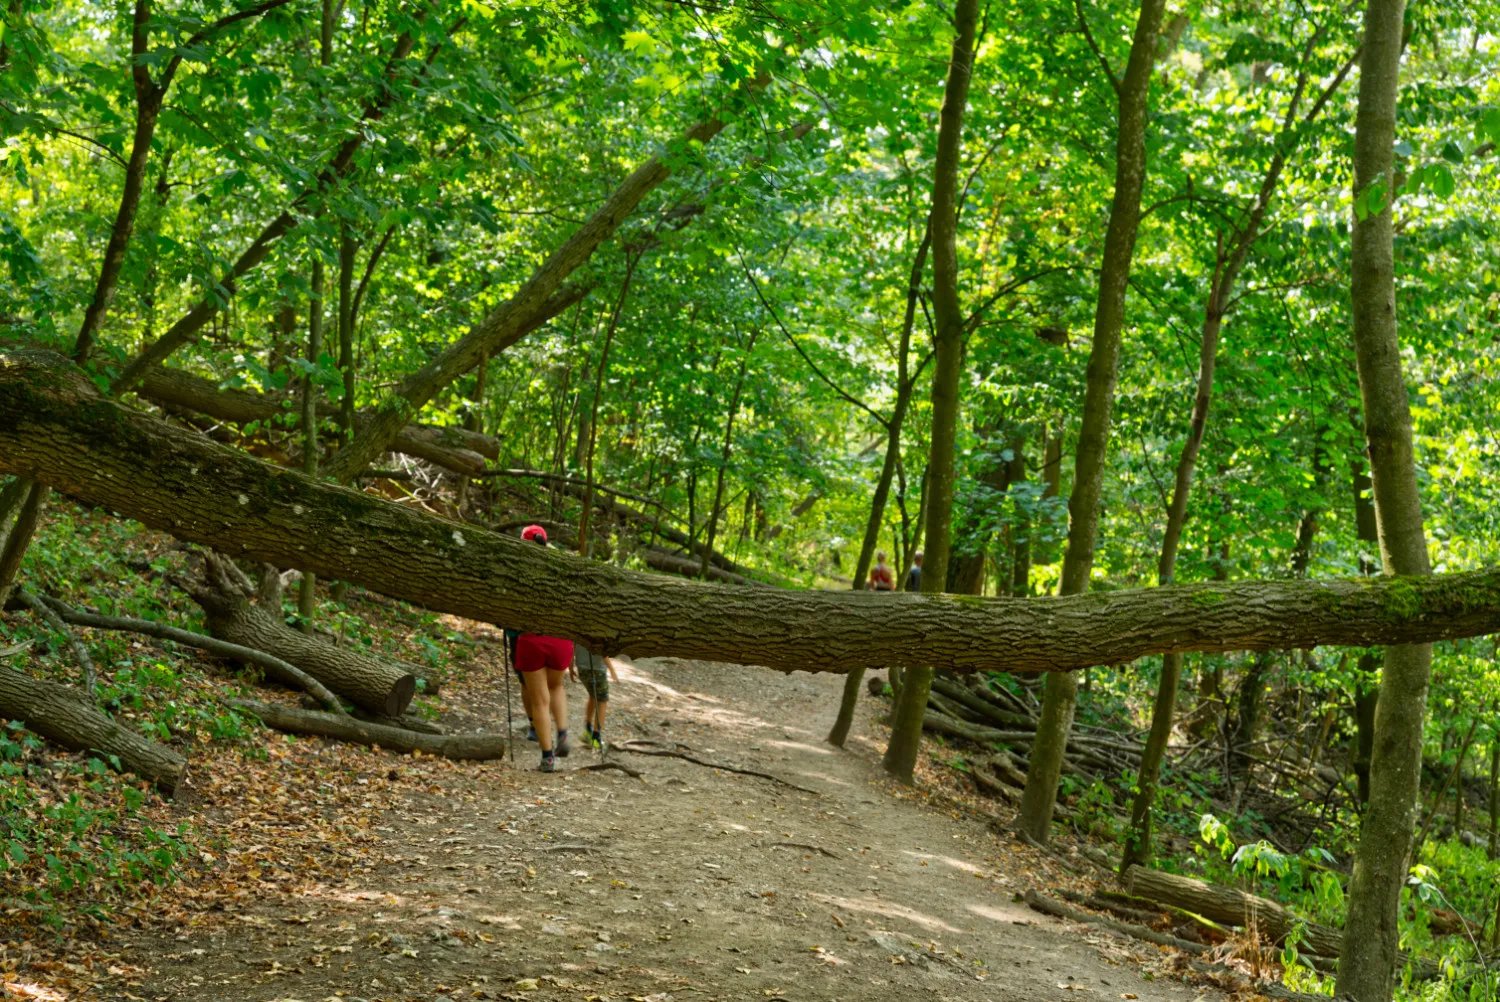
[[686, 883]]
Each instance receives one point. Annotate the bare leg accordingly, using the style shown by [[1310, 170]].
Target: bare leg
[[588, 711], [599, 706], [536, 690], [559, 703]]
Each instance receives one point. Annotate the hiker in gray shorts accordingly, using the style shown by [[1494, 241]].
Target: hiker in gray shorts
[[595, 672]]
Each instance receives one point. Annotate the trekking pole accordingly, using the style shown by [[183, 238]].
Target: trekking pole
[[510, 742]]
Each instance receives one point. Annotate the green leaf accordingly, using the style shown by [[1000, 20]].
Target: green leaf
[[1452, 153], [1440, 178]]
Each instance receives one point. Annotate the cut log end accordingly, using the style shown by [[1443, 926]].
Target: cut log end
[[401, 695]]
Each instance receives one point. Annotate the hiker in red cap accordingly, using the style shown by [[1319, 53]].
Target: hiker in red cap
[[541, 662]]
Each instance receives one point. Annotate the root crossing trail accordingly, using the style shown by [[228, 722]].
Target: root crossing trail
[[687, 883]]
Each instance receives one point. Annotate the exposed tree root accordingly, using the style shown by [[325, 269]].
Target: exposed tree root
[[470, 747], [50, 616], [662, 753]]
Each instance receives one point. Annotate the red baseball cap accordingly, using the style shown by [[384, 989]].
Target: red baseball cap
[[534, 534]]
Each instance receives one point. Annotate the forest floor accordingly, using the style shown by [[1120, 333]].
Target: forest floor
[[345, 873]]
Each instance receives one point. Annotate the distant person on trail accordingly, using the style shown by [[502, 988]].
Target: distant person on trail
[[592, 672], [541, 661], [882, 578], [914, 576]]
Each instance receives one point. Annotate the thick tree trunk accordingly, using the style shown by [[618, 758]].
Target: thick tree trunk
[[63, 715], [1366, 697], [509, 321], [911, 702], [1247, 723], [1093, 437], [230, 614], [470, 747], [55, 427], [1368, 959]]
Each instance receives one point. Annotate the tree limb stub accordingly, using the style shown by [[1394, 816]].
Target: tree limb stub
[[56, 428]]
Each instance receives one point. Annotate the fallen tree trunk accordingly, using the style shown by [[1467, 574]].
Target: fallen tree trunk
[[452, 448], [57, 429], [661, 560], [273, 666], [1230, 906], [63, 716], [469, 747], [239, 612]]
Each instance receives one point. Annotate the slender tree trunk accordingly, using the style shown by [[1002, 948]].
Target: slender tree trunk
[[1366, 697], [307, 594], [1368, 960], [1494, 796], [19, 538], [904, 387], [911, 705], [734, 407], [593, 414], [348, 245], [1040, 796], [1020, 565]]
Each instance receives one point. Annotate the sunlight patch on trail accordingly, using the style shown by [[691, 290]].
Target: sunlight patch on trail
[[874, 906]]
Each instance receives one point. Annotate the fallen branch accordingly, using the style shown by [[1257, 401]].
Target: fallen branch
[[713, 765], [808, 846], [1057, 909], [273, 666], [49, 616], [467, 747]]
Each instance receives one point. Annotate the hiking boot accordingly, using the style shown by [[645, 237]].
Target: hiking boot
[[530, 733], [563, 745], [548, 765]]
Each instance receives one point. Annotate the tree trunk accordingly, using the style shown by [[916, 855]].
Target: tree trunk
[[508, 322], [1020, 565], [62, 714], [348, 246], [1229, 906], [905, 383], [470, 747], [734, 407], [1093, 438], [226, 597], [911, 703], [307, 591], [1247, 724], [1494, 796], [1366, 697], [19, 538], [1368, 960], [148, 101], [56, 428], [593, 416]]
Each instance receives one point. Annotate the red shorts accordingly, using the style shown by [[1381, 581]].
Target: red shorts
[[535, 652]]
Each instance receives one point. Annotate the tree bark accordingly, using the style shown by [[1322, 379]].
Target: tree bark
[[1368, 959], [467, 747], [64, 716], [55, 427], [1228, 905], [347, 248], [1093, 438], [509, 321], [948, 342], [1494, 796], [1366, 697], [226, 597], [1020, 565]]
